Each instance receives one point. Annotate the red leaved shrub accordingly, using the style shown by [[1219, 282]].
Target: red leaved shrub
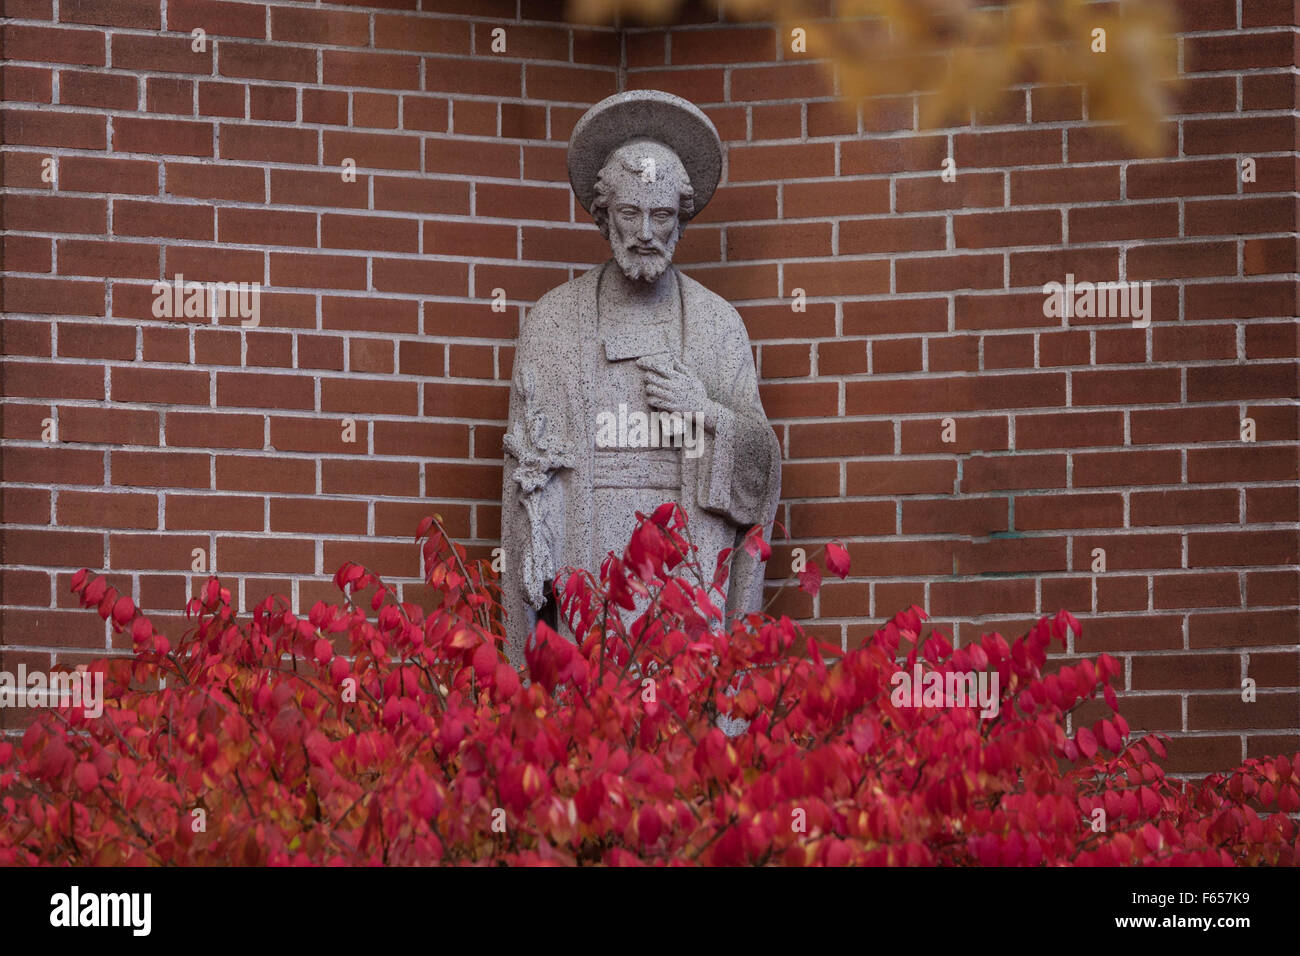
[[390, 733]]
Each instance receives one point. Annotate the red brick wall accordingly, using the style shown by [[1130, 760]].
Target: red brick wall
[[924, 301]]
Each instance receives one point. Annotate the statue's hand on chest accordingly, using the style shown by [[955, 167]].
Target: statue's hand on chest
[[671, 386]]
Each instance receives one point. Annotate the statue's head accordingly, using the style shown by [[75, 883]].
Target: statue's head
[[643, 200], [643, 162]]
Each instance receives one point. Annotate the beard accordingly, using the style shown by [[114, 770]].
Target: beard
[[646, 267]]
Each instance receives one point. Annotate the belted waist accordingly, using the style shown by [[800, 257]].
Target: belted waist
[[637, 468]]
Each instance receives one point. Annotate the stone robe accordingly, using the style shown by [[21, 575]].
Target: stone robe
[[560, 506]]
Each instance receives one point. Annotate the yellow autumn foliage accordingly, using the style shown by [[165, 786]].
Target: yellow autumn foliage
[[962, 57]]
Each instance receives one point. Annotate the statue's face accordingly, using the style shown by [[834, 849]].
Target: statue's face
[[643, 222]]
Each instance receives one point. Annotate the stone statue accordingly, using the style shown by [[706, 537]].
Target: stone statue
[[633, 384]]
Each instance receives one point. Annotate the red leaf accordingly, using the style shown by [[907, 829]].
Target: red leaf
[[810, 579], [837, 560], [1086, 741], [123, 610], [1109, 736], [86, 777], [723, 569], [106, 603], [507, 681], [485, 660], [1151, 837], [663, 513], [141, 630], [757, 545], [94, 592], [648, 826]]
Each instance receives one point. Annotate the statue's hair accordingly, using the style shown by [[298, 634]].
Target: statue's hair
[[626, 158]]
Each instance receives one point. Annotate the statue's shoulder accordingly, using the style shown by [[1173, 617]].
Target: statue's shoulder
[[556, 312], [723, 314]]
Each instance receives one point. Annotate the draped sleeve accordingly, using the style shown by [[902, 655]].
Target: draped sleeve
[[742, 476]]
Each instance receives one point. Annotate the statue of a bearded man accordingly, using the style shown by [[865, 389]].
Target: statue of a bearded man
[[633, 384]]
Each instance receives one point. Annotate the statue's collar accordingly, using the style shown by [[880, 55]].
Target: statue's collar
[[636, 340]]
